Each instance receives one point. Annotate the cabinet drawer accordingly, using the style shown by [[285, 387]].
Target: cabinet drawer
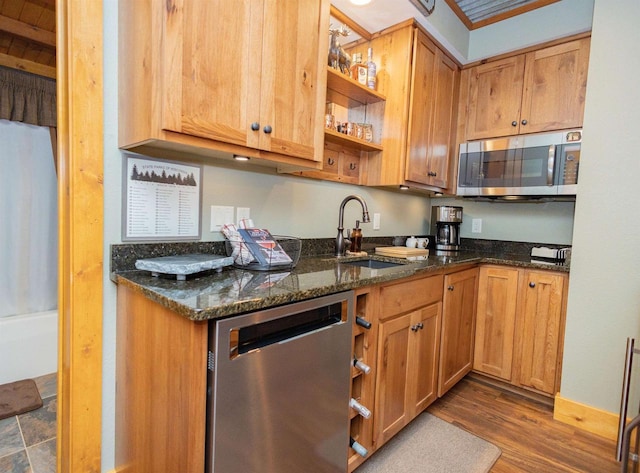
[[406, 296]]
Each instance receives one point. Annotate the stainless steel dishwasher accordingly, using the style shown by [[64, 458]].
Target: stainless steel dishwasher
[[279, 389]]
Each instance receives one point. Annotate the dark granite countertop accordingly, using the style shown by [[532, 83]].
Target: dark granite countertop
[[234, 291]]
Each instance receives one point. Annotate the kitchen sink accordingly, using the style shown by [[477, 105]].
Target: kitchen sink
[[373, 263]]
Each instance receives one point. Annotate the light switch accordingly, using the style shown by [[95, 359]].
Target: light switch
[[476, 225], [220, 214], [376, 221], [243, 213]]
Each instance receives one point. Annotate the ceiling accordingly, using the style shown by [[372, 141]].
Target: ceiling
[[478, 13], [28, 36]]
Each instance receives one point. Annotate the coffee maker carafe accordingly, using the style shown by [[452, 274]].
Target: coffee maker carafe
[[445, 225]]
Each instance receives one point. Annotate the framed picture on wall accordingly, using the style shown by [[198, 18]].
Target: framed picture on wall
[[426, 7], [162, 199]]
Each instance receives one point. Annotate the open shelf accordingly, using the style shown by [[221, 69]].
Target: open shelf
[[350, 141], [343, 90]]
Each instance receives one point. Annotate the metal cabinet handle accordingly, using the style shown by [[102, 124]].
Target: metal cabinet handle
[[532, 284], [267, 129], [330, 162], [514, 123], [524, 122], [432, 174], [450, 288], [255, 126], [352, 166]]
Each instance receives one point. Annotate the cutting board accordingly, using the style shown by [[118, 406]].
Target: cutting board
[[401, 251]]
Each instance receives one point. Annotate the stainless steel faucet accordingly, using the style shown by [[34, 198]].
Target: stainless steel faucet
[[341, 241]]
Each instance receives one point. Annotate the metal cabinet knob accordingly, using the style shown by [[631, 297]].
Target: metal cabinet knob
[[255, 126], [524, 122], [267, 129], [532, 284], [420, 325], [514, 123], [414, 328], [432, 174], [450, 288]]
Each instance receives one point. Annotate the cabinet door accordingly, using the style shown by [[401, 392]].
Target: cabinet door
[[539, 328], [391, 391], [495, 95], [434, 82], [289, 102], [555, 87], [420, 108], [457, 338], [495, 321], [211, 69], [423, 363], [245, 73]]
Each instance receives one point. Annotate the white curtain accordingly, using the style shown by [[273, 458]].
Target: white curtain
[[28, 220]]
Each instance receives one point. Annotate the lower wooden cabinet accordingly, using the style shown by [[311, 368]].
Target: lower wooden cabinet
[[408, 349], [520, 326], [458, 324]]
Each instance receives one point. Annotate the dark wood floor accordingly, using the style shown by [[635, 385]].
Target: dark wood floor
[[530, 440]]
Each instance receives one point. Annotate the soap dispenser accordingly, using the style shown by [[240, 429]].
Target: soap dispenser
[[356, 239]]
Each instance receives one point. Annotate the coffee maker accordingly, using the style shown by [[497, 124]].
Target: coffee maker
[[445, 225]]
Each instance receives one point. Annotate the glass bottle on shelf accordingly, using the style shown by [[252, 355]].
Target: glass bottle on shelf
[[371, 70], [358, 69]]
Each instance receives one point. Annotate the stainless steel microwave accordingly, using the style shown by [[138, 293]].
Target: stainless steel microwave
[[535, 165]]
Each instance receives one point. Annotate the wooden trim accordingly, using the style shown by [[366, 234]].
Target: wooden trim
[[499, 17], [28, 32], [590, 419], [80, 207], [352, 25], [27, 66]]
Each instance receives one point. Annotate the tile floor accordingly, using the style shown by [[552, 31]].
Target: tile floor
[[28, 441]]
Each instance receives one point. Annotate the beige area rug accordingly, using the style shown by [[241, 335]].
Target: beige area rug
[[432, 445]]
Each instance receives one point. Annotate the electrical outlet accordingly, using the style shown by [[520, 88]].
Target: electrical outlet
[[476, 225], [376, 221], [243, 213]]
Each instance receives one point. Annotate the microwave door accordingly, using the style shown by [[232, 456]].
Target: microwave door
[[534, 170], [498, 168]]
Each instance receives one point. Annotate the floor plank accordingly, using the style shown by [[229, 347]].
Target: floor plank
[[530, 439]]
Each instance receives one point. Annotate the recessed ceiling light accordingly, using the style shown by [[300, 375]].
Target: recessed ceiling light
[[360, 2], [237, 157], [404, 188]]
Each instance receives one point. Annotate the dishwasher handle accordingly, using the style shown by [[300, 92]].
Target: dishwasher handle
[[280, 330]]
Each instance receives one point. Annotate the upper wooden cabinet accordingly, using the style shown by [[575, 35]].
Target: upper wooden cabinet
[[420, 84], [538, 91], [219, 76], [434, 91]]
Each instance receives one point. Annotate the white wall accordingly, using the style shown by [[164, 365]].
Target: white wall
[[549, 222], [604, 290], [544, 24]]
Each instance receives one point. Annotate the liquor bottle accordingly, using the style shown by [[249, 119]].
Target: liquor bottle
[[358, 69], [362, 366], [358, 448], [359, 408], [371, 70]]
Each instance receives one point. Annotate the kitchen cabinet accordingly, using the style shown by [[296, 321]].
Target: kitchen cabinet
[[340, 164], [219, 78], [458, 324], [540, 330], [540, 90], [420, 83], [520, 326], [161, 387], [408, 347]]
